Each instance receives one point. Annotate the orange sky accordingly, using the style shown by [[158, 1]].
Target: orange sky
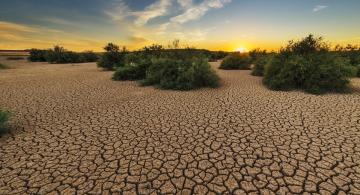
[[209, 24]]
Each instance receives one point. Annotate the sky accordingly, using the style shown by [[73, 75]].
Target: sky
[[210, 24]]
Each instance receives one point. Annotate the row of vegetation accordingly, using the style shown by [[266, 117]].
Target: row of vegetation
[[4, 118], [59, 55], [308, 64], [175, 68]]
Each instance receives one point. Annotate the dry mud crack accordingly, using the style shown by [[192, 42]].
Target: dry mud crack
[[81, 133]]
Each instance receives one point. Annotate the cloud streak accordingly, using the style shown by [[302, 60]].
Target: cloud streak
[[157, 9], [194, 12], [121, 12], [319, 8], [22, 36]]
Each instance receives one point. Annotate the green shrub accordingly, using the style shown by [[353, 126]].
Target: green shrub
[[309, 65], [135, 67], [112, 57], [181, 74], [217, 55], [15, 58], [236, 61], [174, 68], [3, 66], [4, 118], [256, 54], [37, 55], [59, 55], [259, 65], [88, 56], [352, 53]]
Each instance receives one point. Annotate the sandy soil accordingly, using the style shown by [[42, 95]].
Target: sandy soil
[[77, 131]]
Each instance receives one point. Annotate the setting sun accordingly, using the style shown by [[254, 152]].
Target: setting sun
[[242, 50]]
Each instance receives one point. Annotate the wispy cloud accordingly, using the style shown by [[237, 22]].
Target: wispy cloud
[[154, 10], [135, 23], [121, 11], [185, 3], [194, 12], [12, 27], [319, 8], [58, 21], [25, 36]]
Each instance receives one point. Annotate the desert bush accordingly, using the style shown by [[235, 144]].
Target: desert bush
[[4, 118], [15, 58], [179, 74], [256, 54], [112, 57], [258, 59], [172, 68], [88, 56], [217, 55], [136, 65], [59, 55], [352, 53], [259, 65], [308, 65], [236, 61], [3, 66], [37, 55]]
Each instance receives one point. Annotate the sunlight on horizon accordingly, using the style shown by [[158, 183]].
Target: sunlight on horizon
[[201, 24]]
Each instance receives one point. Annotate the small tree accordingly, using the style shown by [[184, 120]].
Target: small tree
[[112, 57]]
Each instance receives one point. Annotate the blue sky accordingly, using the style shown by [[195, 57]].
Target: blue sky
[[212, 24]]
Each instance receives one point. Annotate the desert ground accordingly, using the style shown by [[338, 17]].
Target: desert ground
[[75, 131]]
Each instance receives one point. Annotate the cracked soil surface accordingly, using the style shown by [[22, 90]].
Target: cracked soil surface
[[78, 132]]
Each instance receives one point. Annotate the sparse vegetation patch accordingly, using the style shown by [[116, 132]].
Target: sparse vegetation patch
[[174, 68], [3, 66], [4, 118], [112, 57], [15, 58], [178, 74], [236, 61], [59, 55], [352, 53], [309, 65], [260, 64]]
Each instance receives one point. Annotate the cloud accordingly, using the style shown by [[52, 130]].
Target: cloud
[[20, 36], [7, 26], [136, 39], [58, 21], [185, 3], [154, 10], [120, 11], [194, 12], [319, 8], [135, 23]]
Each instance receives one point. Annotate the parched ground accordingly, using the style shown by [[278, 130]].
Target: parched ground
[[78, 132]]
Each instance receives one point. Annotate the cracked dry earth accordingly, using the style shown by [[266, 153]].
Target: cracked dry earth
[[78, 132]]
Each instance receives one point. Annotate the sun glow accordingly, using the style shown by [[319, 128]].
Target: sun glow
[[241, 50]]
